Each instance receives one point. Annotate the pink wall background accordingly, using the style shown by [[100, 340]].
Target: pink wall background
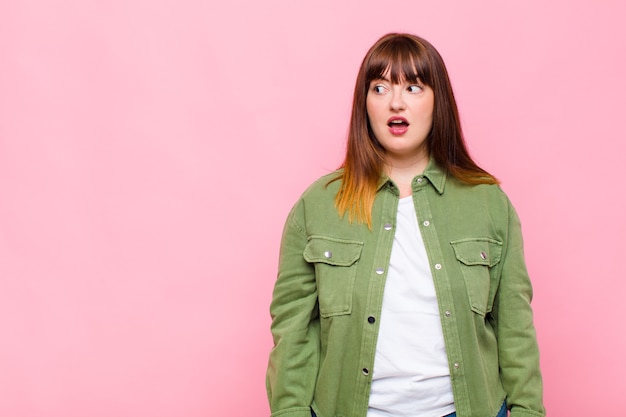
[[150, 151]]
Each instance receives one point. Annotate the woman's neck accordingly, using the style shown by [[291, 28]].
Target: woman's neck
[[402, 172]]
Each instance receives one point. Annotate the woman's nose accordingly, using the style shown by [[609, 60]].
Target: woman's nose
[[397, 100]]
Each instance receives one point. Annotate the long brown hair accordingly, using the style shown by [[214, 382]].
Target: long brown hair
[[401, 57]]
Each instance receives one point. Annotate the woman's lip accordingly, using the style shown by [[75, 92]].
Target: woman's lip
[[398, 130], [391, 119]]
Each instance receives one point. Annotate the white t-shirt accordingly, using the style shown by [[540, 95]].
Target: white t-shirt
[[411, 375]]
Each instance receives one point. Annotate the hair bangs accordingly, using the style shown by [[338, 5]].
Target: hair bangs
[[398, 60]]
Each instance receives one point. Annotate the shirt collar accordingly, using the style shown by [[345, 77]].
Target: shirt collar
[[434, 173]]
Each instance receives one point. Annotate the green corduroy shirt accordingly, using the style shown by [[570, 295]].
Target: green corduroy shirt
[[328, 295]]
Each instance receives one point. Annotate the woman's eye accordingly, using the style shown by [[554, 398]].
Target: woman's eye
[[414, 88], [379, 89]]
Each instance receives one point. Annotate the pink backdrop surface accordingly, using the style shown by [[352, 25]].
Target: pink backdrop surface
[[150, 151]]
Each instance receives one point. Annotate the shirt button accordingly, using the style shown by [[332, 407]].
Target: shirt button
[[483, 255], [371, 320], [426, 223], [419, 180], [365, 371], [380, 271], [328, 254], [456, 365], [388, 226], [447, 313], [437, 266]]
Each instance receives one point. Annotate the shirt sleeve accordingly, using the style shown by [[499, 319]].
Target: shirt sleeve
[[513, 317], [294, 359]]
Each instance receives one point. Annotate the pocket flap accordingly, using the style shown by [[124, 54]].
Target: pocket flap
[[478, 251], [332, 251]]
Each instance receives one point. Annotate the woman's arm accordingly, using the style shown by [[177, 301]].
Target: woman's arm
[[294, 360], [513, 319]]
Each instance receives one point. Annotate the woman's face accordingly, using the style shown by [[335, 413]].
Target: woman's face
[[401, 116]]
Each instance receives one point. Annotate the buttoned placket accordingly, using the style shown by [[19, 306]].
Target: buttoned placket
[[378, 275], [421, 187]]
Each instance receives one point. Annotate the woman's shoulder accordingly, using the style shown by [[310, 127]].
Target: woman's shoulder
[[491, 194], [325, 186], [318, 199]]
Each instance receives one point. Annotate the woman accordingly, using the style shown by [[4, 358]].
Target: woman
[[402, 289]]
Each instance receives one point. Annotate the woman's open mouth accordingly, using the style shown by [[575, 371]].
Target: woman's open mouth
[[398, 125]]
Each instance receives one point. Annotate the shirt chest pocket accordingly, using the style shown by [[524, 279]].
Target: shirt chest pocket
[[335, 263], [477, 258]]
